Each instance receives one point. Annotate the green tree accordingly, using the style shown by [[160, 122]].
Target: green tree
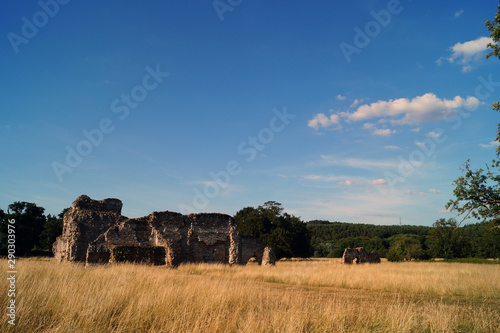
[[494, 27], [29, 224], [51, 230], [491, 239], [405, 248], [445, 239], [252, 223], [285, 233], [477, 192]]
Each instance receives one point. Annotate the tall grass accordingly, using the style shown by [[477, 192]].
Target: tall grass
[[295, 296]]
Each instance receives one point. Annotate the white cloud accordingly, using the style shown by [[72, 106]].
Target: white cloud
[[421, 144], [313, 177], [466, 69], [340, 97], [324, 178], [358, 162], [416, 130], [378, 131], [345, 180], [320, 120], [383, 132], [433, 135], [358, 204], [357, 101], [459, 13], [492, 144], [422, 194], [467, 52], [392, 147], [380, 181], [425, 108]]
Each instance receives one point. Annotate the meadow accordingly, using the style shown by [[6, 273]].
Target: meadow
[[319, 295]]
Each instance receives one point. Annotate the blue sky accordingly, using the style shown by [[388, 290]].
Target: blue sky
[[357, 111]]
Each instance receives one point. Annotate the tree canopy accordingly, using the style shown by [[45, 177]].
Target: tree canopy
[[477, 192], [34, 230], [285, 233]]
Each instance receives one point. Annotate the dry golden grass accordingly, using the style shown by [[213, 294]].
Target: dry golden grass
[[294, 296]]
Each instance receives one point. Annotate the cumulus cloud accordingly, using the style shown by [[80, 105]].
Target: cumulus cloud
[[425, 108], [467, 52], [380, 181], [378, 131], [492, 144], [421, 144], [383, 132], [340, 97], [420, 194], [459, 13], [466, 68], [433, 135], [390, 147], [347, 183], [356, 102], [321, 120], [434, 191]]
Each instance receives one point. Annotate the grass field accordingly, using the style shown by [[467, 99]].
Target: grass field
[[295, 296]]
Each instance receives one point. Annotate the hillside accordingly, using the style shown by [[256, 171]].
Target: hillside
[[329, 239]]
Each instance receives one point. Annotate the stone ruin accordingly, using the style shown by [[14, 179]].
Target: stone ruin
[[360, 255], [95, 232]]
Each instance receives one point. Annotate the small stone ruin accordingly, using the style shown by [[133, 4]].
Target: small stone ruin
[[95, 232], [360, 255]]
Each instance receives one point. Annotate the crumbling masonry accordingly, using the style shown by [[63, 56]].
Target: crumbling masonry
[[361, 256], [95, 232]]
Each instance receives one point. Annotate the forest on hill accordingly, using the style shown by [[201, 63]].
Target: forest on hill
[[445, 239]]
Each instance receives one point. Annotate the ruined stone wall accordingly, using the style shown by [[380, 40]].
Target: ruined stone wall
[[360, 256], [83, 223], [95, 232]]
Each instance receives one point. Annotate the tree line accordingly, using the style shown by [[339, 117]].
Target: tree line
[[34, 231], [290, 237], [445, 239]]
